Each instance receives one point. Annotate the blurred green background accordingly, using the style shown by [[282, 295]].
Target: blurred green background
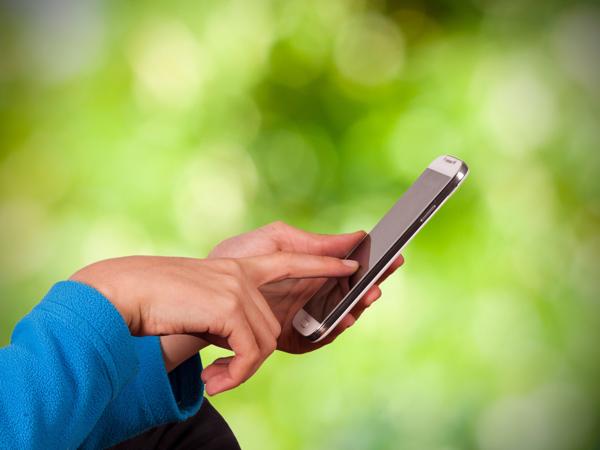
[[164, 127]]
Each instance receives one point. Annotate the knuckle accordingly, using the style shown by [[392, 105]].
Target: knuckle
[[277, 225], [264, 352], [233, 284], [272, 346], [232, 266], [254, 354], [277, 329]]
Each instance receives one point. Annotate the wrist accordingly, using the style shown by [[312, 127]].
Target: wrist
[[178, 348]]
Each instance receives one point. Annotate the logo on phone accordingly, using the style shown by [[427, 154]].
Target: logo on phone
[[448, 160]]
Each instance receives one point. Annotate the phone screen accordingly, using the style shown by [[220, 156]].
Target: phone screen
[[379, 241]]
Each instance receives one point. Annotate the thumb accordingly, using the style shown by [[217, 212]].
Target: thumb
[[338, 245], [292, 239]]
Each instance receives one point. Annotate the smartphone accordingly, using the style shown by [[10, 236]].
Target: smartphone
[[378, 249]]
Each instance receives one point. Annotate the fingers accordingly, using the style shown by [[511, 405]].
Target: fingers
[[390, 270], [228, 373], [242, 365], [266, 331], [368, 299], [291, 239], [350, 319], [344, 324], [347, 321], [250, 327], [374, 293], [279, 266], [218, 369]]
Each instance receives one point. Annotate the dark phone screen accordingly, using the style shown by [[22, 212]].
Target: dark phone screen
[[379, 241]]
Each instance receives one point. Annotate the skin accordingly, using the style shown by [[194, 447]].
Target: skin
[[217, 299], [285, 297]]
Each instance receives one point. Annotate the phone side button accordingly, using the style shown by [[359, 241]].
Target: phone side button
[[427, 213]]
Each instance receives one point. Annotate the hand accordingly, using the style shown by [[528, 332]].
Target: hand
[[286, 298], [215, 299]]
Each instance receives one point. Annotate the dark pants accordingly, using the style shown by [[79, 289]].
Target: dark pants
[[206, 430]]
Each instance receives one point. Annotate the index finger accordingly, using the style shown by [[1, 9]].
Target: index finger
[[280, 266]]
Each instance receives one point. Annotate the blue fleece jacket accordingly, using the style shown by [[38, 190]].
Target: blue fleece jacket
[[74, 377]]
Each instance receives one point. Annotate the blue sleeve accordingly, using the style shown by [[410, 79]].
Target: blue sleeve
[[74, 376], [67, 360], [152, 398]]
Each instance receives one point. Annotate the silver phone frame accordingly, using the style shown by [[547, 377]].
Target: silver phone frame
[[316, 331]]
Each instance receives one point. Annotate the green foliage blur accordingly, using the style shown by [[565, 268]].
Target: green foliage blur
[[165, 127]]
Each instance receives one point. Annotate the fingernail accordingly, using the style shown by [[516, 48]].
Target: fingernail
[[350, 263]]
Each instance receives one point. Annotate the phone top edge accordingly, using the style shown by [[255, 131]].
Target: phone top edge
[[447, 165]]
